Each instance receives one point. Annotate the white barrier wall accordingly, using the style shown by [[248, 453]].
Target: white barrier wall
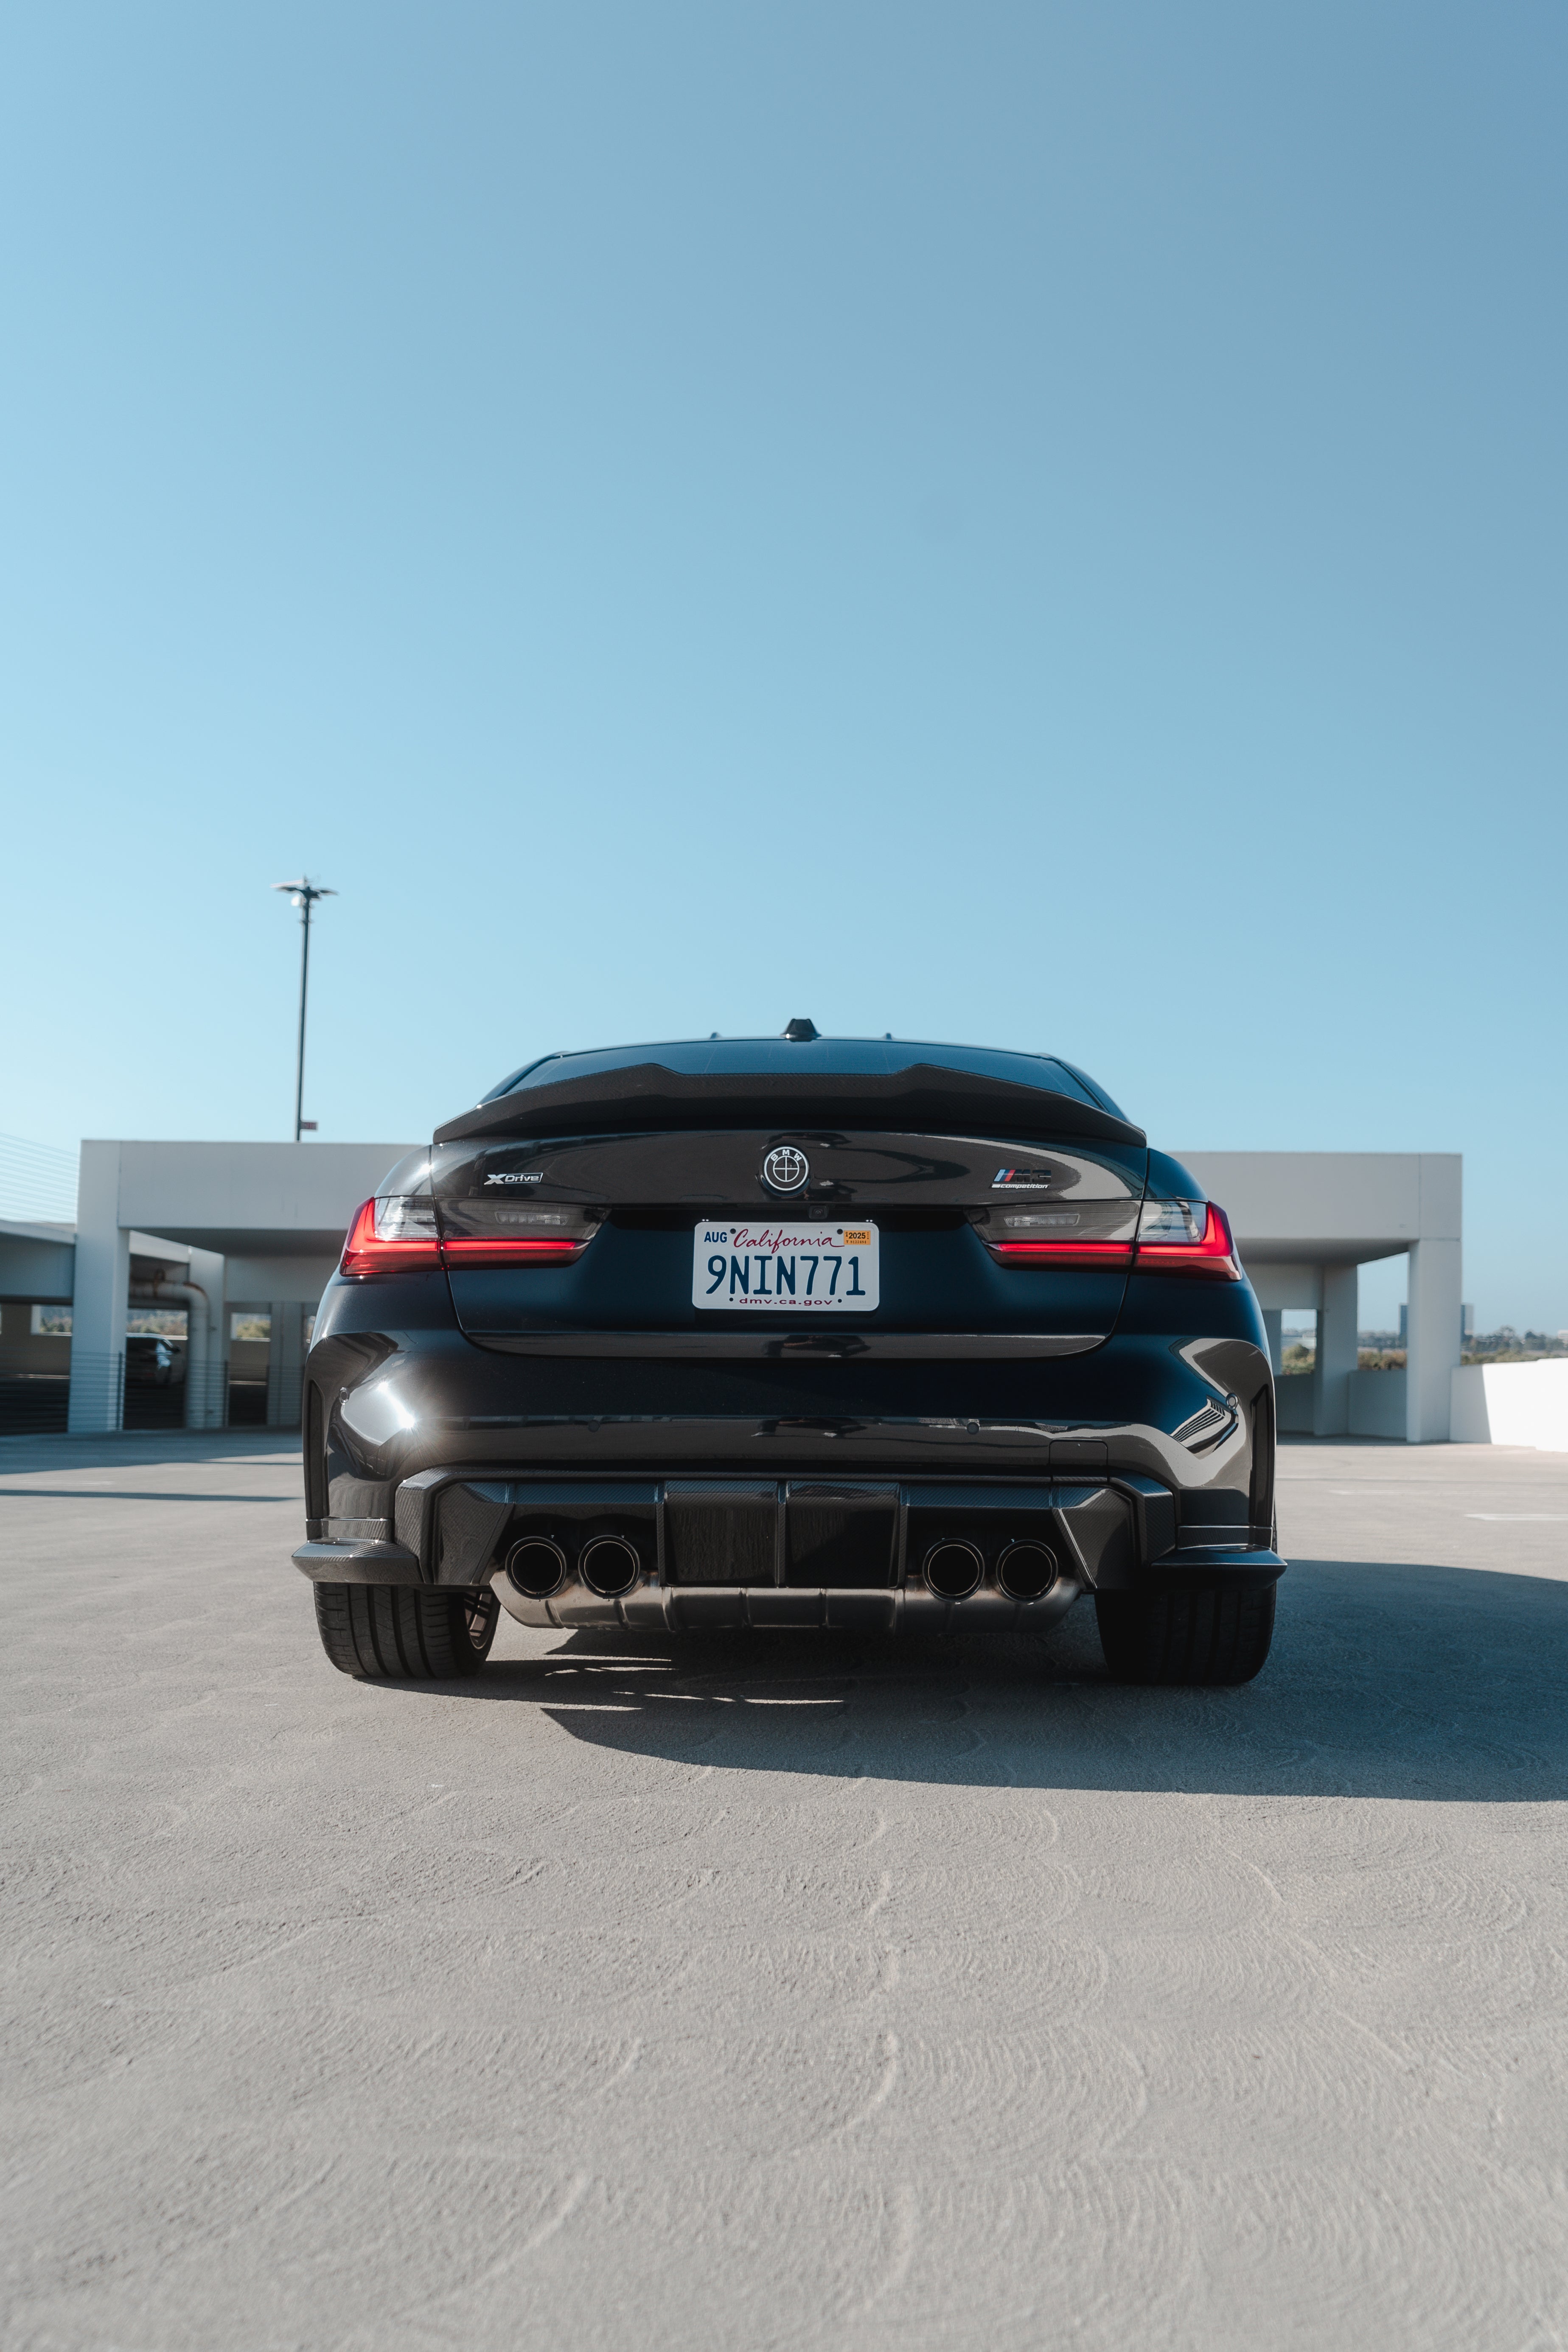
[[1511, 1404]]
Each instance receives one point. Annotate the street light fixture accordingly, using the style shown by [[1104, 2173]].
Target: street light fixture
[[303, 894]]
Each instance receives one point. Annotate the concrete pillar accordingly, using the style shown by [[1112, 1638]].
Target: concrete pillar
[[1274, 1324], [1433, 1326], [1336, 1359], [100, 1295], [206, 1376], [285, 1364]]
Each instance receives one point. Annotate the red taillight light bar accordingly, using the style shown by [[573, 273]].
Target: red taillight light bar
[[526, 1249], [393, 1235], [1063, 1252], [1207, 1252]]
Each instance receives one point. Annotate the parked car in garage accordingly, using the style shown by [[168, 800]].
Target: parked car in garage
[[791, 1331]]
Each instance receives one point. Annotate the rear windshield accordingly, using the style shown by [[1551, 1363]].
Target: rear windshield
[[842, 1056]]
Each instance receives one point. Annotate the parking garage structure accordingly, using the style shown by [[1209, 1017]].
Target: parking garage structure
[[243, 1237], [223, 1233]]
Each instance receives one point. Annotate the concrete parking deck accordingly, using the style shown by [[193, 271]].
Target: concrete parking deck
[[789, 1992]]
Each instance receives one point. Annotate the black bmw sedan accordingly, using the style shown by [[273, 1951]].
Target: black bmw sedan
[[793, 1331]]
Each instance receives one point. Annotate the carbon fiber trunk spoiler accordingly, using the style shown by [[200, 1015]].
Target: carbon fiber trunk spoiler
[[922, 1099]]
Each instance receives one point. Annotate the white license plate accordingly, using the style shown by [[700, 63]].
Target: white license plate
[[763, 1269]]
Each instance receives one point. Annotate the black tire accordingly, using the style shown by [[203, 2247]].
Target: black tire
[[1204, 1633], [395, 1630]]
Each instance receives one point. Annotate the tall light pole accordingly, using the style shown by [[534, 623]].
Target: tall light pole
[[303, 894]]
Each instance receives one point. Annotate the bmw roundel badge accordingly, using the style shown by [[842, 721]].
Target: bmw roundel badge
[[785, 1170]]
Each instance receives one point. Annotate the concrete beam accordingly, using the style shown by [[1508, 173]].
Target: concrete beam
[[206, 1362], [38, 1266], [240, 1199], [1336, 1356], [251, 1276], [1432, 1339], [1331, 1207], [100, 1295]]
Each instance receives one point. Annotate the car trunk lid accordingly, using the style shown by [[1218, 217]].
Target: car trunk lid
[[946, 1243]]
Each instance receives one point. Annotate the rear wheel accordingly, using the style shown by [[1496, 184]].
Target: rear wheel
[[386, 1631], [1198, 1633]]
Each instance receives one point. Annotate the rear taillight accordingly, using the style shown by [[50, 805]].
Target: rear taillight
[[1165, 1237], [396, 1235], [1096, 1233], [1186, 1238], [403, 1235]]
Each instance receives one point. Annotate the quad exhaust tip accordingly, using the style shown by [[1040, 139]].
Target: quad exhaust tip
[[609, 1566], [537, 1566], [953, 1568], [1027, 1571]]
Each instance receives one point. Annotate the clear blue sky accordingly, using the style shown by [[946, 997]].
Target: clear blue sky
[[1039, 524]]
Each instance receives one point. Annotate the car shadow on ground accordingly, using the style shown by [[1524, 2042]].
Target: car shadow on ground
[[1403, 1680]]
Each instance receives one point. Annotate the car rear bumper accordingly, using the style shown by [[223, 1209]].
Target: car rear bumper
[[708, 1552], [1145, 1460]]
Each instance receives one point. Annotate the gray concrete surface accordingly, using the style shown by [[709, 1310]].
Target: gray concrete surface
[[809, 1993]]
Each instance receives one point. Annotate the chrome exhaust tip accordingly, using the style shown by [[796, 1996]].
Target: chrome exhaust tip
[[1027, 1571], [536, 1567], [953, 1568], [609, 1566]]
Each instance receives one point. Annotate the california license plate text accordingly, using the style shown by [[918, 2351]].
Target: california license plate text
[[785, 1269]]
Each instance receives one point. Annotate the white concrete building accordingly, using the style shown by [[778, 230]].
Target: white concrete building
[[218, 1227], [211, 1227], [1305, 1222]]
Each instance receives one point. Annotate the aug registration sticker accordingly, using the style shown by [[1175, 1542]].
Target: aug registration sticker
[[784, 1269]]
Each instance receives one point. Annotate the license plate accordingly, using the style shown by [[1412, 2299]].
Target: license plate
[[784, 1269]]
